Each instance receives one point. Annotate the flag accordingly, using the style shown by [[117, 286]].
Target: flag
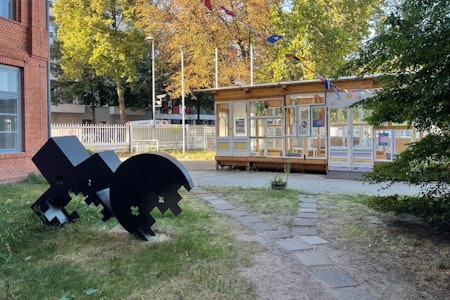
[[208, 4], [327, 84], [274, 38], [292, 56], [354, 94], [336, 91], [348, 94], [227, 11]]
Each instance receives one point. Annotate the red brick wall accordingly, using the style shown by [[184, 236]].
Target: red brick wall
[[24, 44]]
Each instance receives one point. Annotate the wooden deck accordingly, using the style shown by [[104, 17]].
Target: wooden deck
[[272, 163]]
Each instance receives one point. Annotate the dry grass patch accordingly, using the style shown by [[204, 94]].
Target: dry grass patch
[[280, 206], [403, 243]]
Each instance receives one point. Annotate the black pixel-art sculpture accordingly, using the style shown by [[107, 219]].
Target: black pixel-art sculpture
[[129, 190], [146, 181]]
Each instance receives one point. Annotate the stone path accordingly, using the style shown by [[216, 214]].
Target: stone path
[[310, 249]]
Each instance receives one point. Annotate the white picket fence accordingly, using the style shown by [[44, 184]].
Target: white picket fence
[[138, 137]]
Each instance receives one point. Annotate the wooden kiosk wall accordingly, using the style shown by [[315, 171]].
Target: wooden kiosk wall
[[268, 126]]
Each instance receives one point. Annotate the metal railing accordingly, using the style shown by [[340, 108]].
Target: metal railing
[[138, 137]]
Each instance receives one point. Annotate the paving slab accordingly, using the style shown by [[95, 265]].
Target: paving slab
[[304, 222], [259, 226], [294, 244], [223, 205], [314, 240], [279, 234], [308, 205], [307, 210], [249, 219], [335, 278], [303, 231], [218, 201], [313, 258], [307, 215], [353, 293], [210, 197], [307, 199], [238, 213]]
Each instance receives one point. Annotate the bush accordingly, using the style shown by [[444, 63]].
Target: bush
[[434, 211], [426, 164]]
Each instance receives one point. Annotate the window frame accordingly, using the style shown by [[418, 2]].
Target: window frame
[[12, 93], [10, 6]]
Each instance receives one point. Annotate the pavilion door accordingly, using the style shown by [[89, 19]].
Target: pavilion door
[[350, 141]]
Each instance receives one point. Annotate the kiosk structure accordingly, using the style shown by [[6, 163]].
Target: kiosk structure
[[305, 125]]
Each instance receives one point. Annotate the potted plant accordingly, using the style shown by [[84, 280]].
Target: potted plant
[[278, 182]]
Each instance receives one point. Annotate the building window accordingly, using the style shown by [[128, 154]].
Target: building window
[[10, 116], [7, 9]]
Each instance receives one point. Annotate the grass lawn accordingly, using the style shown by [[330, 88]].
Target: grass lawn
[[194, 257], [187, 155]]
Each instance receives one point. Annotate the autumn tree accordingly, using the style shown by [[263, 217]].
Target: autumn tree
[[100, 35], [323, 32], [412, 50], [191, 27]]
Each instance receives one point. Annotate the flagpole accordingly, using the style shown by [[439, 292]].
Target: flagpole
[[217, 68], [182, 99], [251, 64]]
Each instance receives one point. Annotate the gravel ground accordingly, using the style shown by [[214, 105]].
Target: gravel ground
[[305, 182]]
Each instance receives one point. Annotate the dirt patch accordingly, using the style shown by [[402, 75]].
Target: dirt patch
[[277, 274], [389, 257], [395, 247]]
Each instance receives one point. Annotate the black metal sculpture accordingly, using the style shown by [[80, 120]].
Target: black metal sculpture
[[57, 161], [129, 190]]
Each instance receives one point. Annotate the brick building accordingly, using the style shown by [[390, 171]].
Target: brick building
[[23, 86]]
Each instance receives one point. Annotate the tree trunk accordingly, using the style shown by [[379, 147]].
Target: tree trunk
[[93, 111], [198, 111], [123, 113]]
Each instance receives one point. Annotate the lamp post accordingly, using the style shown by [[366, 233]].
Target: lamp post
[[152, 39]]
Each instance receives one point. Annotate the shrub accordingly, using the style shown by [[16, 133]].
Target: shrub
[[434, 211]]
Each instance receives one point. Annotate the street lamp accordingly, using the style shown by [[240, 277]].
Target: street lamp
[[152, 39]]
